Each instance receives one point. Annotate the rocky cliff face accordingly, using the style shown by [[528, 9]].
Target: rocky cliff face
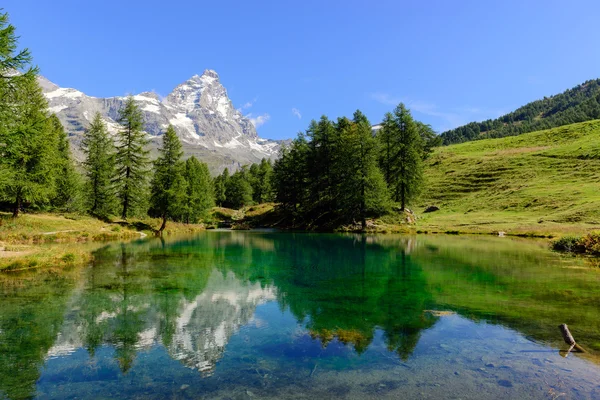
[[207, 123]]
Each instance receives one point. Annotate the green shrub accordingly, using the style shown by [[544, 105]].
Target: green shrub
[[68, 258], [568, 244]]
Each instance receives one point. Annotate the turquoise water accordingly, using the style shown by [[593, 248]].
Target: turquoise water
[[240, 315]]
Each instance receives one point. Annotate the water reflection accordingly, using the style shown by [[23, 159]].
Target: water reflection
[[346, 293]]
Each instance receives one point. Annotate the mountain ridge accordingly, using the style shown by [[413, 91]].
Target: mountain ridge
[[578, 104], [199, 109]]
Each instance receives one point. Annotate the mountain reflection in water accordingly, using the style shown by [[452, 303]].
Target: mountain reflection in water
[[334, 302]]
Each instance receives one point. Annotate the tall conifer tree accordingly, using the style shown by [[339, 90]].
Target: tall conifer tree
[[199, 195], [401, 155], [68, 181], [363, 191], [98, 148], [27, 140], [28, 150], [131, 160], [168, 189], [220, 187]]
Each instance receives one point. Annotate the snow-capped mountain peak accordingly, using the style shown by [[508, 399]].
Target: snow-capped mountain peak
[[199, 109]]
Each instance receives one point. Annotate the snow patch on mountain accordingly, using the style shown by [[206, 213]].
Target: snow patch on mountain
[[199, 109]]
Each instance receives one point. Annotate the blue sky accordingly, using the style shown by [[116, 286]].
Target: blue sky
[[288, 62]]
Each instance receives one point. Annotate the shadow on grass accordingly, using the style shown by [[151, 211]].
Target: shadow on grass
[[137, 225]]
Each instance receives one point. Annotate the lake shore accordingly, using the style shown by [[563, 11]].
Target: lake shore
[[41, 241]]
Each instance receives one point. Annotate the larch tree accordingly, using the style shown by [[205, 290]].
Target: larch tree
[[28, 146], [131, 160], [199, 191], [27, 140], [290, 175], [168, 188], [401, 155], [98, 148], [68, 181], [220, 187], [363, 190], [238, 189]]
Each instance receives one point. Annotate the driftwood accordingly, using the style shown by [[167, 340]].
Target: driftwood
[[568, 338]]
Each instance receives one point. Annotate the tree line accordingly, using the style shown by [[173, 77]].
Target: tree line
[[38, 172], [579, 104], [343, 172], [251, 184]]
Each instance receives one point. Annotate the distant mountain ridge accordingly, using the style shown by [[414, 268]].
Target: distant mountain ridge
[[206, 121], [579, 104]]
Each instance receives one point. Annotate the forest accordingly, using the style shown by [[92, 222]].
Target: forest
[[579, 104], [337, 172]]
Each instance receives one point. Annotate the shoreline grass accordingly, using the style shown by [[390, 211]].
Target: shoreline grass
[[51, 241]]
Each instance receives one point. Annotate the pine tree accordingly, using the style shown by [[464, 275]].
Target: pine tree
[[401, 155], [168, 188], [363, 191], [265, 177], [68, 181], [200, 195], [98, 148], [429, 138], [220, 187], [28, 141], [131, 160], [16, 68], [290, 176], [238, 190], [26, 138], [260, 176], [321, 159]]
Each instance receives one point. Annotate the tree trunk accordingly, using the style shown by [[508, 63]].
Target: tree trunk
[[402, 197], [163, 225], [17, 206]]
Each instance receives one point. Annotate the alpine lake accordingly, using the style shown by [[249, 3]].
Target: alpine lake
[[275, 315]]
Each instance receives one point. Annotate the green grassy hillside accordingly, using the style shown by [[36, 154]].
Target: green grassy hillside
[[581, 103], [543, 182]]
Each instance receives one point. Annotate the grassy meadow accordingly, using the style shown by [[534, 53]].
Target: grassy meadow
[[541, 183], [34, 241]]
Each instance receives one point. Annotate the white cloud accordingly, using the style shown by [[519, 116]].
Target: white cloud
[[296, 112], [259, 120], [248, 104], [385, 98], [449, 119]]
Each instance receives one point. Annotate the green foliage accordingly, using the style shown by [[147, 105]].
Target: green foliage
[[29, 144], [332, 178], [362, 191], [589, 244], [168, 197], [220, 187], [98, 148], [131, 161], [429, 138], [199, 195], [68, 196], [260, 178], [401, 155], [290, 176], [238, 191], [579, 104]]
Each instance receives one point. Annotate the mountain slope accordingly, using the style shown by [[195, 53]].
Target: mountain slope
[[202, 114], [545, 181], [579, 104]]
